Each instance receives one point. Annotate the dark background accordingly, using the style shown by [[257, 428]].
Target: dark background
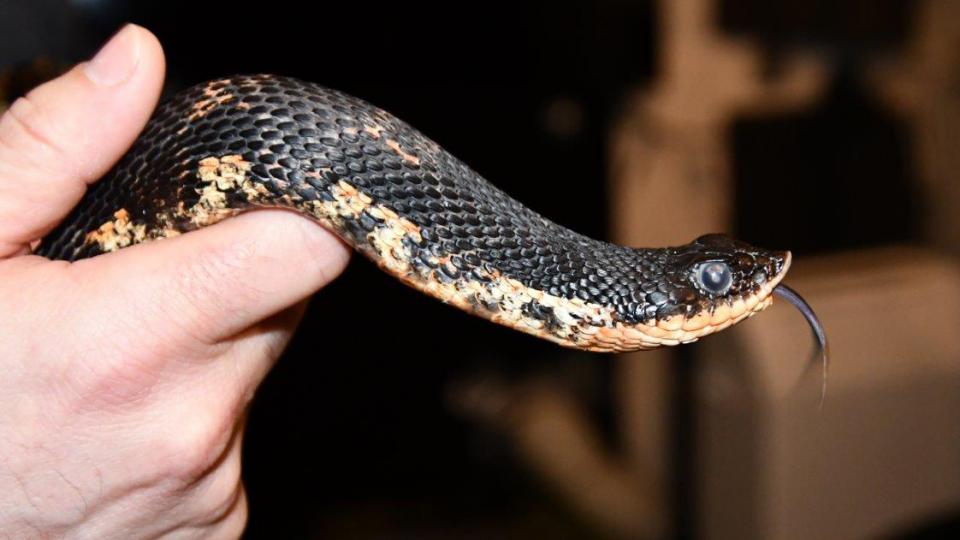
[[353, 434]]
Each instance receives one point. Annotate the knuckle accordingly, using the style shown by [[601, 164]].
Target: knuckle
[[223, 498], [193, 448], [112, 383], [234, 521], [27, 129]]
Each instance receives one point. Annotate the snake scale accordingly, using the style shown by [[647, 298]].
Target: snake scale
[[422, 215]]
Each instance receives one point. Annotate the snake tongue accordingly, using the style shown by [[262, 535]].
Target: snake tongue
[[823, 347]]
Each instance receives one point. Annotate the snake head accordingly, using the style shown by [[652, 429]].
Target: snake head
[[716, 281], [723, 269], [690, 291], [731, 280]]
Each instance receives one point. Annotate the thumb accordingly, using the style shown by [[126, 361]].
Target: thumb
[[66, 133]]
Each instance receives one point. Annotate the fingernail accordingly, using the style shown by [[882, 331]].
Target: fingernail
[[115, 62]]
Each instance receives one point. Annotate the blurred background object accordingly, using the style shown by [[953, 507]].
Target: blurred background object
[[828, 128]]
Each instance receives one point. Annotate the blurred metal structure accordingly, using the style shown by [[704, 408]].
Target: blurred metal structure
[[922, 84]]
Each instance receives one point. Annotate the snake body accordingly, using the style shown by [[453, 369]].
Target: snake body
[[422, 215]]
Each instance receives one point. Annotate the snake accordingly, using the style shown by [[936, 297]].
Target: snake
[[263, 141]]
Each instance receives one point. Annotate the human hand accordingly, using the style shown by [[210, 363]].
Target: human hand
[[125, 377]]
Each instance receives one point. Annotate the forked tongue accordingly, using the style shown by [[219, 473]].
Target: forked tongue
[[823, 348]]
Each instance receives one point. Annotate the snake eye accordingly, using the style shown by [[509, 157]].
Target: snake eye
[[714, 277]]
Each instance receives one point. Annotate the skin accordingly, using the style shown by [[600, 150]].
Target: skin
[[126, 377]]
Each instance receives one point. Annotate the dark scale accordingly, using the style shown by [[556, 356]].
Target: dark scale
[[301, 139]]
